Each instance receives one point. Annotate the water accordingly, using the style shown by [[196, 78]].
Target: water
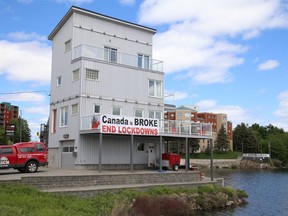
[[267, 190]]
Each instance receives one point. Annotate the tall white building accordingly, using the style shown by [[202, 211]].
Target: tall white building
[[107, 92]]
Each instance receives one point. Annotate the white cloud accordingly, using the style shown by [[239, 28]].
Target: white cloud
[[236, 114], [42, 110], [23, 36], [25, 61], [268, 65], [198, 36], [28, 97], [282, 110]]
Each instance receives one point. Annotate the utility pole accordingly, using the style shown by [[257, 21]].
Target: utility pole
[[20, 127]]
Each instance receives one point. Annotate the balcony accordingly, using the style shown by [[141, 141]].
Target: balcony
[[165, 127], [113, 56]]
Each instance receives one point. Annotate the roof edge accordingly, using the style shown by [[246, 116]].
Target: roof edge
[[82, 10]]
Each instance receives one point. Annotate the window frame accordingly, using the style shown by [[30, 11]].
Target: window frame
[[73, 73], [59, 81], [142, 113], [118, 107], [143, 61], [110, 54], [72, 109], [88, 70], [94, 106], [67, 45], [156, 86], [63, 118]]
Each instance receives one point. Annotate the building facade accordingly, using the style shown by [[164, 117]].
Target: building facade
[[106, 106], [185, 113], [8, 112]]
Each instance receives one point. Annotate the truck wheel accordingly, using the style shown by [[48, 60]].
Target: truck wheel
[[175, 167], [31, 166], [23, 169]]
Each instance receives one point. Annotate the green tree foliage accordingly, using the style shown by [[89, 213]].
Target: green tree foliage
[[268, 139], [2, 136], [222, 141], [22, 132], [244, 139], [194, 145]]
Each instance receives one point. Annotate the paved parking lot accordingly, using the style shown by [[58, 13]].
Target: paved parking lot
[[11, 174]]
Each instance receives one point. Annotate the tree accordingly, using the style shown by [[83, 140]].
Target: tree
[[244, 139], [2, 139], [23, 132], [194, 143], [222, 141]]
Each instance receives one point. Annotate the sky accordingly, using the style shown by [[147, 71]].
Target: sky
[[222, 56]]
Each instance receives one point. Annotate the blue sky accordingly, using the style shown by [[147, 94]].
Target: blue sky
[[223, 56]]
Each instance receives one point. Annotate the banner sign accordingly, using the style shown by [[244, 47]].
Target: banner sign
[[126, 125], [10, 129]]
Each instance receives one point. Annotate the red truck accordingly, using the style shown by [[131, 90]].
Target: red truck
[[25, 156]]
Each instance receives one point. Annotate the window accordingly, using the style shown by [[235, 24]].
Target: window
[[143, 61], [96, 109], [68, 149], [39, 147], [138, 113], [53, 129], [59, 81], [6, 150], [74, 109], [68, 45], [92, 74], [116, 111], [187, 114], [155, 114], [63, 116], [27, 149], [155, 88], [75, 75], [110, 54], [179, 114], [140, 146]]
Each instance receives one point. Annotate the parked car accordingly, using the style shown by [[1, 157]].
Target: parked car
[[25, 156]]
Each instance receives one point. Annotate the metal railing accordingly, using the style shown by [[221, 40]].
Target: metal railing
[[173, 127], [114, 56]]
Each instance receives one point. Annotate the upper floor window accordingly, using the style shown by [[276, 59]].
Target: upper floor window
[[75, 75], [155, 114], [59, 81], [74, 109], [187, 114], [155, 88], [138, 113], [63, 116], [116, 111], [96, 108], [110, 54], [143, 61], [92, 74], [68, 45]]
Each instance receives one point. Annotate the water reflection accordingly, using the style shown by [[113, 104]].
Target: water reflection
[[267, 190]]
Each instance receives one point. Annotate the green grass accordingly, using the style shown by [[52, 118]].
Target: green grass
[[19, 200], [216, 155]]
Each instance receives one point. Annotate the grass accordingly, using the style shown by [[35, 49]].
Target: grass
[[216, 155], [19, 200]]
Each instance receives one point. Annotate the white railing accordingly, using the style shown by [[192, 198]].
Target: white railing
[[117, 57], [166, 127], [255, 155]]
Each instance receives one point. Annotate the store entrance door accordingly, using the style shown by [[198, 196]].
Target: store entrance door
[[151, 155]]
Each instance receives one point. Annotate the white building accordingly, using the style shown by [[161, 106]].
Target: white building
[[107, 95]]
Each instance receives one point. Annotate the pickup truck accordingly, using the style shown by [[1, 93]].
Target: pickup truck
[[25, 156]]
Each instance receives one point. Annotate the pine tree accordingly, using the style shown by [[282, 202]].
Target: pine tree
[[222, 141]]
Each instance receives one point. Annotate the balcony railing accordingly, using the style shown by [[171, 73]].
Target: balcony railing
[[113, 56], [168, 127]]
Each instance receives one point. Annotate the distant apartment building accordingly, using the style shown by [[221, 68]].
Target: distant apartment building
[[8, 112], [190, 113], [107, 95]]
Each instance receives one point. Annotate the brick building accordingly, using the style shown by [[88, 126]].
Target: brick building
[[7, 112]]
